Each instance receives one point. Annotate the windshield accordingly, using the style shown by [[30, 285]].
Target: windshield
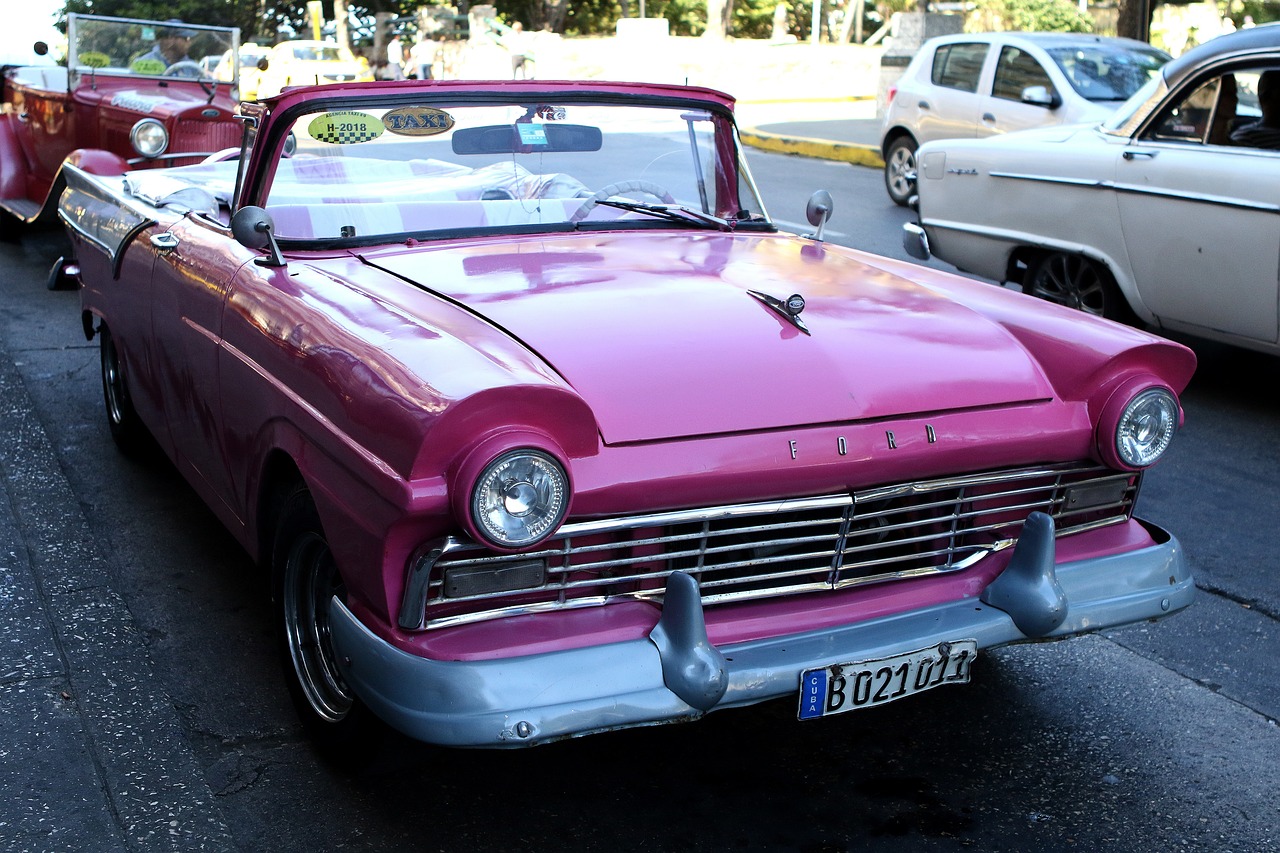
[[126, 47], [318, 53], [1108, 72], [362, 173]]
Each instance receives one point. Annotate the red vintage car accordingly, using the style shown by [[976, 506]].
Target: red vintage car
[[120, 92], [542, 428]]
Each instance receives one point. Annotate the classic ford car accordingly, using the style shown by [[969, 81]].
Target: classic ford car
[[542, 428], [1164, 213], [119, 92]]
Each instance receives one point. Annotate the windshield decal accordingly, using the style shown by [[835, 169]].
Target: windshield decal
[[345, 127], [417, 121]]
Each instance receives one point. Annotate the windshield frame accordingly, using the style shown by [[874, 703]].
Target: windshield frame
[[730, 173]]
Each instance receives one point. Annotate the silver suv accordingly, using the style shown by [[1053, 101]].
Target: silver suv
[[979, 84]]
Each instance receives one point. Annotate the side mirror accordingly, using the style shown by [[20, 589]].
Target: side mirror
[[253, 228], [818, 211], [262, 64], [40, 48], [1040, 96]]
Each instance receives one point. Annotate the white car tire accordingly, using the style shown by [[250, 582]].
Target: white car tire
[[900, 170]]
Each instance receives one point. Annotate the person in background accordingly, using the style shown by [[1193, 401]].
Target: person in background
[[517, 44], [1265, 132], [172, 41], [423, 56]]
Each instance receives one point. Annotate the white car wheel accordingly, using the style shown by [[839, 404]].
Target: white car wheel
[[900, 170]]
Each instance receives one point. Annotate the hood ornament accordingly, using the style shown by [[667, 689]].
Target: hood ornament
[[788, 310]]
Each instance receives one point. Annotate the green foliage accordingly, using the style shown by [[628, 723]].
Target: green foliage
[[1050, 16]]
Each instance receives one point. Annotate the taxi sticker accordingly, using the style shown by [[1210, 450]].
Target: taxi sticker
[[345, 127], [417, 121], [146, 65], [546, 112], [93, 59]]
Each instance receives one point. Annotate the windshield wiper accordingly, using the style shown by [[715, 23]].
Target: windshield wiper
[[670, 212]]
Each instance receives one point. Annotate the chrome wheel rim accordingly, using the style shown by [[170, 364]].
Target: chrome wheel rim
[[310, 580], [113, 382], [1073, 281]]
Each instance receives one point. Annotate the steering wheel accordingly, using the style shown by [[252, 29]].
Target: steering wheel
[[621, 188], [178, 68]]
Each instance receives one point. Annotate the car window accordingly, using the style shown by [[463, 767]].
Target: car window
[[1222, 110], [958, 66], [1257, 120], [1107, 71], [1189, 119], [1015, 71]]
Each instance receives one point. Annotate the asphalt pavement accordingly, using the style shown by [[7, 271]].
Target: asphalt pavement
[[93, 752]]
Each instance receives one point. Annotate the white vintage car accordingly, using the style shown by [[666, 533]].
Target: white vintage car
[[1164, 213]]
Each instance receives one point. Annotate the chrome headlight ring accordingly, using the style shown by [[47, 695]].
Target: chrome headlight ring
[[149, 138], [519, 499], [1146, 427]]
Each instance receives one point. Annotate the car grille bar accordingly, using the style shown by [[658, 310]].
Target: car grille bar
[[765, 550]]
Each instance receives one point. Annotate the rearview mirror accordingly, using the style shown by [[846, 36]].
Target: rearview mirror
[[525, 138]]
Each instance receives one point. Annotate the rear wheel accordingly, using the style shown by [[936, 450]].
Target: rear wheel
[[305, 579], [127, 429], [1077, 282], [900, 169]]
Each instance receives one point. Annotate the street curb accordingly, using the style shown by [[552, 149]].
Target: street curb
[[825, 149]]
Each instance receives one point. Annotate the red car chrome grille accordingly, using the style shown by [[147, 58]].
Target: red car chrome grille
[[205, 137], [768, 549]]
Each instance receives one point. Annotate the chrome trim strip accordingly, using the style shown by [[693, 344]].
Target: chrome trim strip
[[1136, 189]]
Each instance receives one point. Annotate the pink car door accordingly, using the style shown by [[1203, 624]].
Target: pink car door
[[193, 269]]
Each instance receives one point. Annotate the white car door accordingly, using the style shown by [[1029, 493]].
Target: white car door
[[1001, 109], [1201, 227], [948, 108]]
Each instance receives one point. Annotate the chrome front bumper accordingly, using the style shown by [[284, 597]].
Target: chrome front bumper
[[675, 674]]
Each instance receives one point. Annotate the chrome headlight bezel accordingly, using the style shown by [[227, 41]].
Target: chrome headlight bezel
[[149, 138], [1145, 427], [519, 499]]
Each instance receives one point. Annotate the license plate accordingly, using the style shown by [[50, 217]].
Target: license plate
[[848, 686]]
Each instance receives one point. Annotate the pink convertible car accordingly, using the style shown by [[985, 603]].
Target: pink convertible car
[[542, 428]]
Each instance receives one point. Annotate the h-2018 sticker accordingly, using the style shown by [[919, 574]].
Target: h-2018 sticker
[[345, 127]]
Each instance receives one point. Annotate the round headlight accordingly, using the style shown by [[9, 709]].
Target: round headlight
[[1146, 427], [149, 138], [520, 498]]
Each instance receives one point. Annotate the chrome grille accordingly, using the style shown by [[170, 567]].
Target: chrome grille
[[768, 549], [204, 136]]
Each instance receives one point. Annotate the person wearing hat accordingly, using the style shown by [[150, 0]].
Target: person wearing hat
[[170, 48]]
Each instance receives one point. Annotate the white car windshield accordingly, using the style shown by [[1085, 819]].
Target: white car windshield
[[361, 173], [1105, 72]]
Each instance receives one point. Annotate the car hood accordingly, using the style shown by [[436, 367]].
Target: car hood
[[662, 338]]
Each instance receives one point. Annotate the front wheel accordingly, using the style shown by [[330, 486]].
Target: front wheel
[[900, 169], [1077, 282], [305, 579]]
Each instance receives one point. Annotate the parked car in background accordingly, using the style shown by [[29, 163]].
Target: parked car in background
[[309, 63], [979, 84], [112, 98], [542, 428], [1165, 213], [247, 71]]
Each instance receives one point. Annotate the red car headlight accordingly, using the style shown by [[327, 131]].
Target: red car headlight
[[149, 138]]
